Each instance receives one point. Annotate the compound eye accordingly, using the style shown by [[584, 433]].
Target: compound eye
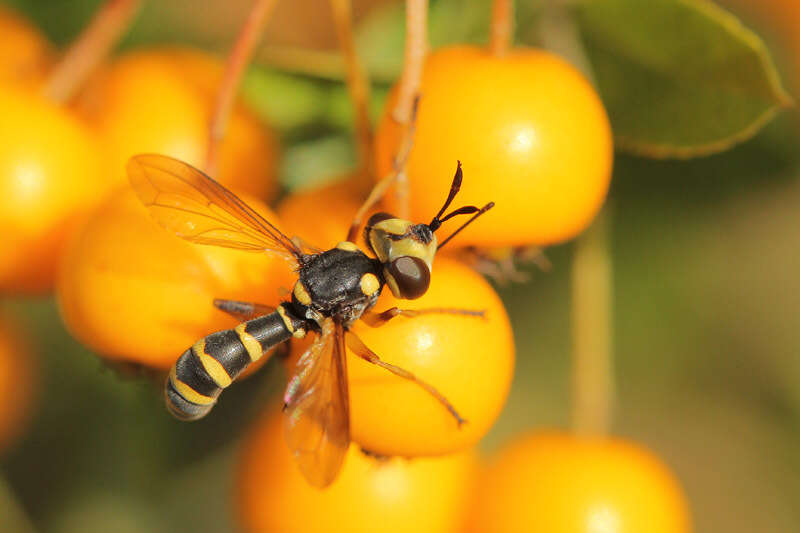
[[411, 276]]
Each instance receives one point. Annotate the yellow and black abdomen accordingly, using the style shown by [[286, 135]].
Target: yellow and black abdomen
[[202, 371]]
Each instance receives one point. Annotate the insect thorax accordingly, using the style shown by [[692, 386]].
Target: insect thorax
[[341, 282]]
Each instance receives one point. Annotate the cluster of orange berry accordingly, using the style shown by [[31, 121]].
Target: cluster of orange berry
[[533, 137]]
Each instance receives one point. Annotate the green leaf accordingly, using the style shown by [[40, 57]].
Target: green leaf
[[680, 78], [282, 100], [317, 161]]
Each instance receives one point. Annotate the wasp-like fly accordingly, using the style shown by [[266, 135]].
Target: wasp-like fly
[[335, 288]]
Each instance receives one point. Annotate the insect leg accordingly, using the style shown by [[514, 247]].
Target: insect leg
[[360, 349], [376, 320], [243, 311]]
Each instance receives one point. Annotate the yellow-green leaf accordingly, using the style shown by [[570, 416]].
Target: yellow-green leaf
[[680, 78]]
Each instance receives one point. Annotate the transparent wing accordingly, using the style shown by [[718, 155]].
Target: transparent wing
[[317, 417], [195, 207]]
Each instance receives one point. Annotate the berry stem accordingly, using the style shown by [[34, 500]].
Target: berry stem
[[592, 367], [90, 48], [501, 28], [592, 273], [408, 92], [357, 84], [237, 62], [558, 33]]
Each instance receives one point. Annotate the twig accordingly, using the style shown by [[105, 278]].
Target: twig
[[501, 29], [324, 64], [357, 84], [560, 34], [592, 372], [90, 48], [416, 49], [592, 352], [398, 166], [238, 60], [408, 92]]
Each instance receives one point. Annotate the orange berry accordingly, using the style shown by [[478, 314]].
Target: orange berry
[[25, 53], [160, 101], [17, 383], [133, 292], [394, 496], [531, 132], [50, 173], [468, 359], [558, 483], [321, 216]]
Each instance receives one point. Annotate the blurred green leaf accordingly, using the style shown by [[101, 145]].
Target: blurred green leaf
[[339, 112], [282, 100], [310, 163], [680, 78]]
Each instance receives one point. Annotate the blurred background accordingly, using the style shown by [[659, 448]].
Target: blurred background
[[706, 256]]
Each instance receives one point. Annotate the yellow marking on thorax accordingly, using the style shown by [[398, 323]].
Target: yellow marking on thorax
[[187, 392], [301, 294], [369, 284], [347, 246], [252, 346]]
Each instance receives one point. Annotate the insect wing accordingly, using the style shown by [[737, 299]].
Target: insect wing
[[195, 207], [317, 417]]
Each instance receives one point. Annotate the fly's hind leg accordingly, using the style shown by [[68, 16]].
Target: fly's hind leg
[[243, 311], [360, 349], [376, 320]]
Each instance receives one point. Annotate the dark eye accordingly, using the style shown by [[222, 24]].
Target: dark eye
[[411, 275]]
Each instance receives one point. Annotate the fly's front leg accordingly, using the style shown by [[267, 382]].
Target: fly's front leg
[[360, 349], [376, 320]]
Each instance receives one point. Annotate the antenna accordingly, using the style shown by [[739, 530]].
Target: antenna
[[480, 211], [454, 188]]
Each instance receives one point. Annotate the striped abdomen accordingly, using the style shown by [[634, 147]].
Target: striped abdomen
[[202, 371]]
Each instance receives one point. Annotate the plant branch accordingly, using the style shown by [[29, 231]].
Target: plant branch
[[90, 48], [408, 92], [592, 352], [237, 62], [501, 28], [592, 367], [357, 84]]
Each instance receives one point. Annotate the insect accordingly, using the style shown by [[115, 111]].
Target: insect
[[334, 289]]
